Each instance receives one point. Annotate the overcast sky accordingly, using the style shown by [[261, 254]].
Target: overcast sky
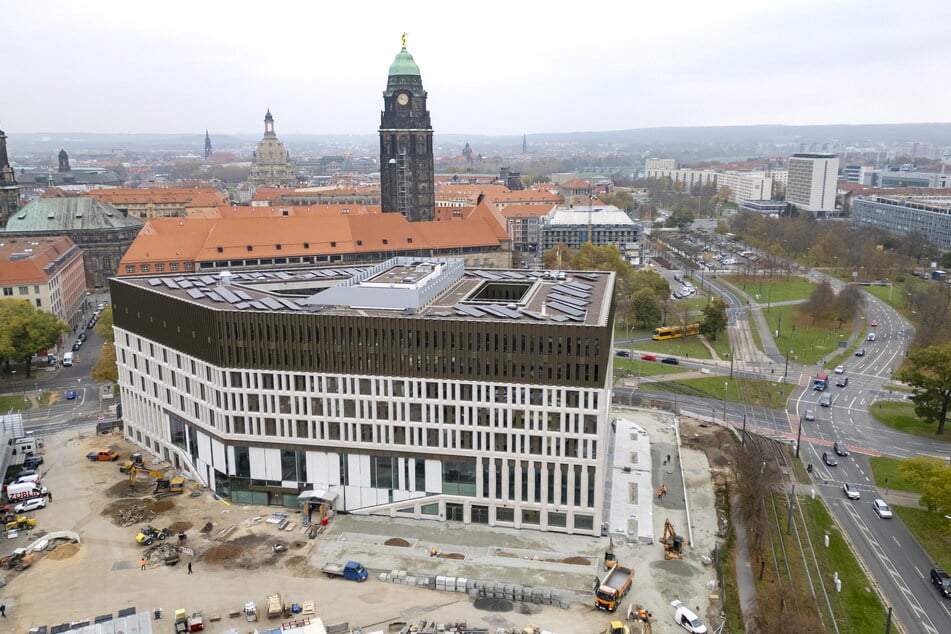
[[489, 67]]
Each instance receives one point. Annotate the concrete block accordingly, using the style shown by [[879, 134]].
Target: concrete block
[[461, 583]]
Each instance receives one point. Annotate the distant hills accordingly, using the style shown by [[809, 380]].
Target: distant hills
[[737, 140]]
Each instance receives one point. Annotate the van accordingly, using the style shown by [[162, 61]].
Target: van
[[67, 359], [27, 477], [826, 400]]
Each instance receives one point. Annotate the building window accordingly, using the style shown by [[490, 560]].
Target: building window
[[189, 266], [173, 266], [159, 268], [130, 268], [39, 302], [7, 291], [24, 290], [146, 268]]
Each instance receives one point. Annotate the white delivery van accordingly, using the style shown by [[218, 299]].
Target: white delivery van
[[67, 359]]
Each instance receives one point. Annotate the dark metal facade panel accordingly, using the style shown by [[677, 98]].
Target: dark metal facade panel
[[531, 352]]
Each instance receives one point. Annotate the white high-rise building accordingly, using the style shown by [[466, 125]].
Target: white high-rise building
[[812, 182]]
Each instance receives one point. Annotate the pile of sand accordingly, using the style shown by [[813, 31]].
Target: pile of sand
[[224, 554], [63, 551], [396, 541]]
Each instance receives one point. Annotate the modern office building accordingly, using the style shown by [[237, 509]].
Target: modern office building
[[597, 224], [901, 215], [811, 182], [413, 388], [746, 185]]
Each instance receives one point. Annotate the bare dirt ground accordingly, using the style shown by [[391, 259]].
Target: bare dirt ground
[[238, 557]]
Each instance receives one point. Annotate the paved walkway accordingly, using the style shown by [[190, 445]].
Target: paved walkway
[[746, 586]]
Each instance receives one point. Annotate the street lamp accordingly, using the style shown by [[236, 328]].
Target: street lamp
[[726, 385], [836, 258], [798, 436], [786, 371]]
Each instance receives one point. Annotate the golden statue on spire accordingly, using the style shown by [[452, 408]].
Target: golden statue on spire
[[403, 38]]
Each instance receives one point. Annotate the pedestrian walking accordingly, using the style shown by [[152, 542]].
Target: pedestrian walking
[[3, 611], [668, 459], [663, 490], [660, 493], [142, 563], [49, 494], [189, 567]]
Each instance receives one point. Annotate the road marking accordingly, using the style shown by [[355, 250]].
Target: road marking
[[918, 571], [896, 541]]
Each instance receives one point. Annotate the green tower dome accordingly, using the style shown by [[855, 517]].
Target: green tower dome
[[404, 64]]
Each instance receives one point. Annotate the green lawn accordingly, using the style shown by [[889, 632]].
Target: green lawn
[[777, 289], [857, 607], [683, 347], [637, 367], [808, 345], [12, 402], [752, 391], [900, 415], [931, 530], [884, 467]]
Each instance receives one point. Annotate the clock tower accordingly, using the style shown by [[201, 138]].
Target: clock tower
[[407, 176]]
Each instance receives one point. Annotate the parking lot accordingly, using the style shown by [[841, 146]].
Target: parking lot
[[234, 561]]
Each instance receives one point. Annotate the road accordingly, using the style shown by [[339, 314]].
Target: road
[[895, 560]]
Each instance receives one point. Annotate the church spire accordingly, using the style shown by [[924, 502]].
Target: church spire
[[208, 150]]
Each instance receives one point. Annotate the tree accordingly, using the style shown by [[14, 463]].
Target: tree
[[646, 310], [714, 318], [847, 304], [933, 477], [25, 330], [106, 368], [680, 218], [819, 304], [104, 325], [929, 371]]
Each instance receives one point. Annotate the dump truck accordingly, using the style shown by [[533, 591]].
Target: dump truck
[[613, 587], [351, 570]]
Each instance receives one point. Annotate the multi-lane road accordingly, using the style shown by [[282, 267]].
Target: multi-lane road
[[895, 560]]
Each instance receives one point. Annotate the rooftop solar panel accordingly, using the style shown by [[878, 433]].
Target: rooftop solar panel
[[194, 293], [271, 303], [243, 295], [169, 282], [242, 305], [154, 281], [215, 297], [469, 310], [229, 297], [257, 305], [565, 308], [567, 299]]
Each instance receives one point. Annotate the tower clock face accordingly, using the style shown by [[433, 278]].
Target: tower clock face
[[402, 99]]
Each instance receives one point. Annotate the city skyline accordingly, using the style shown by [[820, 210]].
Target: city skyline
[[501, 69]]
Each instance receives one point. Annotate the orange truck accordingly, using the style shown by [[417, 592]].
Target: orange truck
[[613, 587], [107, 455]]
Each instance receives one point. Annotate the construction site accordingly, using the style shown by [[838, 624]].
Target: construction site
[[128, 537]]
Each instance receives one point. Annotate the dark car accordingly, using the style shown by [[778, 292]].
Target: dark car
[[842, 381], [671, 360], [82, 336], [623, 353], [839, 448], [70, 395], [943, 582], [829, 459], [76, 346], [32, 462], [860, 352]]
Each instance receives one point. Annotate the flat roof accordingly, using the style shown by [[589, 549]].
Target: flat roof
[[437, 288]]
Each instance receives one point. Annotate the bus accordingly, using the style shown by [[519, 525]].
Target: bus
[[675, 332]]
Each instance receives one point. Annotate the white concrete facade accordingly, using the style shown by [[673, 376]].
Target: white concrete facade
[[746, 185], [812, 182]]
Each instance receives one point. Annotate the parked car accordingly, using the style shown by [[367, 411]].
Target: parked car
[[881, 509], [829, 459], [648, 357], [32, 462], [860, 352], [70, 395], [851, 492], [30, 505], [671, 360], [77, 345], [623, 353], [839, 448]]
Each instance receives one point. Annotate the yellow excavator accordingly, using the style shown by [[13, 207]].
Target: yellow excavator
[[163, 486], [673, 543], [21, 523]]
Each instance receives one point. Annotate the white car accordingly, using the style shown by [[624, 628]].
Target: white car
[[881, 508], [687, 619], [839, 369], [851, 492], [871, 337], [29, 505]]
